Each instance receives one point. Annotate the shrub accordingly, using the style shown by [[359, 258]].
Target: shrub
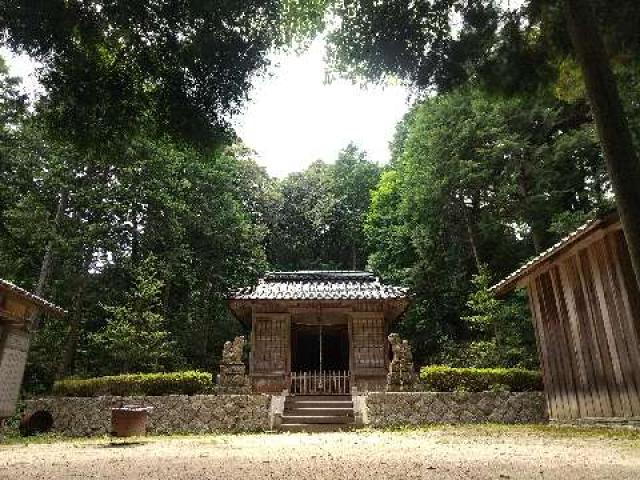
[[188, 383], [439, 378]]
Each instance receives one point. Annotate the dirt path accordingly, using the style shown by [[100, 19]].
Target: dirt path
[[447, 453]]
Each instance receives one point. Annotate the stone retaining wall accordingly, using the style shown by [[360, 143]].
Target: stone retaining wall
[[88, 416], [251, 413], [416, 408]]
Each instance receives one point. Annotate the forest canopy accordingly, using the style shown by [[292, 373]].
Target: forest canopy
[[126, 197]]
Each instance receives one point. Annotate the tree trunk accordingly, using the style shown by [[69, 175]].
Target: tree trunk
[[135, 239], [622, 161], [471, 237], [474, 248], [537, 229], [47, 259], [71, 343], [354, 256]]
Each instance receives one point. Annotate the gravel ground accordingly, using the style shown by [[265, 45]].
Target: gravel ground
[[443, 453]]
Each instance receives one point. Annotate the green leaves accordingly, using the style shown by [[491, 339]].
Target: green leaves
[[134, 338], [184, 383], [445, 44], [412, 40], [112, 65], [479, 180], [484, 306], [436, 378], [317, 216]]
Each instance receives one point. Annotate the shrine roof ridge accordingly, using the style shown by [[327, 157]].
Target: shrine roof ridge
[[320, 275]]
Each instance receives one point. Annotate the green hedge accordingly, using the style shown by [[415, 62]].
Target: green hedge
[[188, 383], [438, 378]]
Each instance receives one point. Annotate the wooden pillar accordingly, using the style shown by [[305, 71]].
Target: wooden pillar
[[368, 346], [352, 378], [320, 346], [252, 342], [14, 347]]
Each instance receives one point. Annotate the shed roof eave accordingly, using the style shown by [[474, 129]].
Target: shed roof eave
[[41, 303], [517, 278]]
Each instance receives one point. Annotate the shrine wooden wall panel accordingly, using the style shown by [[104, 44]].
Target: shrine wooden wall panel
[[368, 342], [270, 343], [586, 309]]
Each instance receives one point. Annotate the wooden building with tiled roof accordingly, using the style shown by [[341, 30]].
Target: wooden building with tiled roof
[[585, 303], [17, 309], [310, 325]]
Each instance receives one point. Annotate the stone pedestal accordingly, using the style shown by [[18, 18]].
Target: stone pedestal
[[401, 376], [233, 375]]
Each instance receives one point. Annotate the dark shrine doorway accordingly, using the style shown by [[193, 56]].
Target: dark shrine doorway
[[316, 348]]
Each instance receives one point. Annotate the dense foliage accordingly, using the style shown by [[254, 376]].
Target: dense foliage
[[108, 64], [478, 184], [142, 245], [500, 160], [317, 216], [185, 383], [126, 198], [438, 378]]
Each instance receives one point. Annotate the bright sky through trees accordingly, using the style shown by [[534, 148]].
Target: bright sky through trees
[[294, 117]]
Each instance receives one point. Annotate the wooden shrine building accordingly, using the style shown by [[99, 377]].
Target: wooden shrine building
[[17, 308], [319, 332], [585, 303]]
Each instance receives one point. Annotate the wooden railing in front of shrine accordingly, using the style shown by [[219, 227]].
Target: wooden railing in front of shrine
[[320, 383]]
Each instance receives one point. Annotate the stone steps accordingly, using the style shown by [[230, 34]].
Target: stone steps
[[320, 398], [303, 419], [320, 411], [316, 427], [317, 413]]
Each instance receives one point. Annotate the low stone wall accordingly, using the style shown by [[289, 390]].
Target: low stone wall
[[416, 408], [88, 416]]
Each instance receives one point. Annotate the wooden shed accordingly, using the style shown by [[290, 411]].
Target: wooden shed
[[585, 304], [319, 332], [17, 308]]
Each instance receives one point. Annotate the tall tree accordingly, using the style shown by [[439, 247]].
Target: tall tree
[[317, 218], [135, 338], [125, 80], [353, 179], [302, 220], [12, 112], [190, 210], [504, 51], [108, 63], [477, 180], [622, 159]]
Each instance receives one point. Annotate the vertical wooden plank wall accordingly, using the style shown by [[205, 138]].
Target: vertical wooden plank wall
[[270, 343], [368, 342], [586, 310]]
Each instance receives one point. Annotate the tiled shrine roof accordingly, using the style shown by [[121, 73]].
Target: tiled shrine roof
[[320, 285]]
